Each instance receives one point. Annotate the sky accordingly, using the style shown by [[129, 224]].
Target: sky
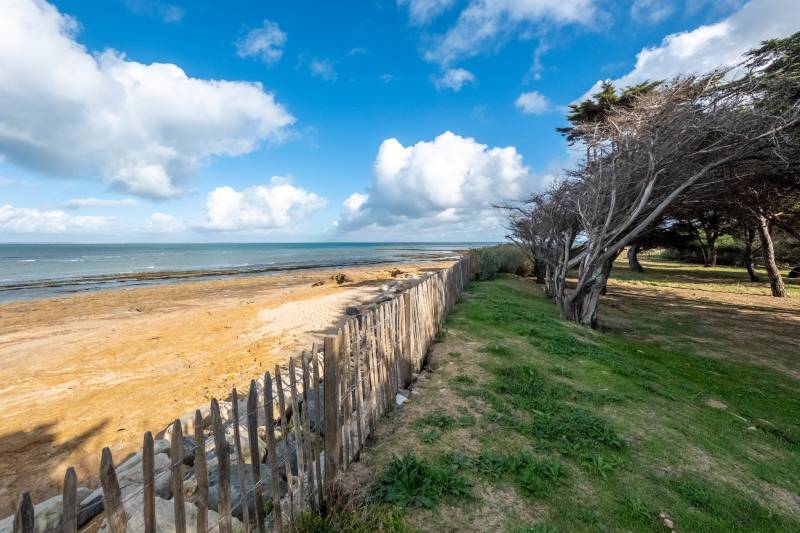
[[379, 120]]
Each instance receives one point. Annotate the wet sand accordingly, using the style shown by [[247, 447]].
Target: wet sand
[[83, 372]]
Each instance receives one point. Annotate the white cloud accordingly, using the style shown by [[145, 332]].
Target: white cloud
[[162, 223], [323, 68], [454, 78], [713, 45], [31, 220], [261, 207], [387, 77], [484, 24], [651, 11], [266, 43], [143, 128], [532, 103], [451, 182], [77, 203], [424, 11]]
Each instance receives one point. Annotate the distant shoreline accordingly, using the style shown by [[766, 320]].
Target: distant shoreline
[[133, 275]]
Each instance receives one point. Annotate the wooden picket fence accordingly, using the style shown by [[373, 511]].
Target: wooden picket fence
[[326, 411]]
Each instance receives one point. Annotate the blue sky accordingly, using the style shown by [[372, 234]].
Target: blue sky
[[150, 120]]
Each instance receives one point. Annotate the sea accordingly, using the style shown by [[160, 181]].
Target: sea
[[29, 271]]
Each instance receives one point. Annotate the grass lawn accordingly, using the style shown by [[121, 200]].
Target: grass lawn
[[683, 412]]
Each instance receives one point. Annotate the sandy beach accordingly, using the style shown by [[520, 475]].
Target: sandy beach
[[83, 372]]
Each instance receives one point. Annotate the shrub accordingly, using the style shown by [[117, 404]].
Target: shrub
[[505, 258], [412, 482]]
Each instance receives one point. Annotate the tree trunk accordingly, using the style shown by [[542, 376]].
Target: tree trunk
[[749, 263], [710, 252], [582, 304], [538, 271], [633, 259], [775, 279]]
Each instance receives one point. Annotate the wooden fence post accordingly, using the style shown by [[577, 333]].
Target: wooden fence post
[[223, 469], [317, 437], [286, 449], [69, 512], [332, 428], [148, 481], [272, 459], [112, 496], [23, 517], [255, 454], [237, 444], [200, 473], [176, 458], [298, 433]]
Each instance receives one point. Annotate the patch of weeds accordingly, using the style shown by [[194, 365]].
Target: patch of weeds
[[412, 482], [562, 371], [497, 349], [532, 476], [454, 355], [632, 510], [599, 465], [555, 420], [364, 519], [462, 380], [430, 436], [437, 419], [440, 336]]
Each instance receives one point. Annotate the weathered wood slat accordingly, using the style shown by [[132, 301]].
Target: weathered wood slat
[[237, 443], [200, 473], [112, 496], [23, 517], [317, 438], [332, 427], [223, 469], [286, 448], [309, 437], [148, 480], [69, 501], [359, 390], [298, 434], [176, 457], [272, 458], [255, 455]]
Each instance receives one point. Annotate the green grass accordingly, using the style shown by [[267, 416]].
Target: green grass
[[603, 431]]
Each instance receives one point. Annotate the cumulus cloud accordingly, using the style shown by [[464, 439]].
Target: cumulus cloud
[[424, 11], [265, 43], [451, 181], [713, 45], [532, 103], [454, 78], [143, 128], [261, 207], [487, 23], [31, 220], [77, 203], [162, 223], [323, 68]]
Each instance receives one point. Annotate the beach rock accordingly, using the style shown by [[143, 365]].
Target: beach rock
[[187, 423], [244, 439], [47, 514], [162, 484], [400, 399], [318, 283], [233, 478], [89, 507], [352, 311], [165, 517], [341, 277], [282, 458]]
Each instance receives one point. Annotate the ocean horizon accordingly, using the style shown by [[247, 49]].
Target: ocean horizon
[[41, 270]]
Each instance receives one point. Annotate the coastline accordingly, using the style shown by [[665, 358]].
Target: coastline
[[98, 369]]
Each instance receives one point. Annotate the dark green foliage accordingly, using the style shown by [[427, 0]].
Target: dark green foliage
[[412, 482], [365, 519], [532, 476], [488, 262]]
